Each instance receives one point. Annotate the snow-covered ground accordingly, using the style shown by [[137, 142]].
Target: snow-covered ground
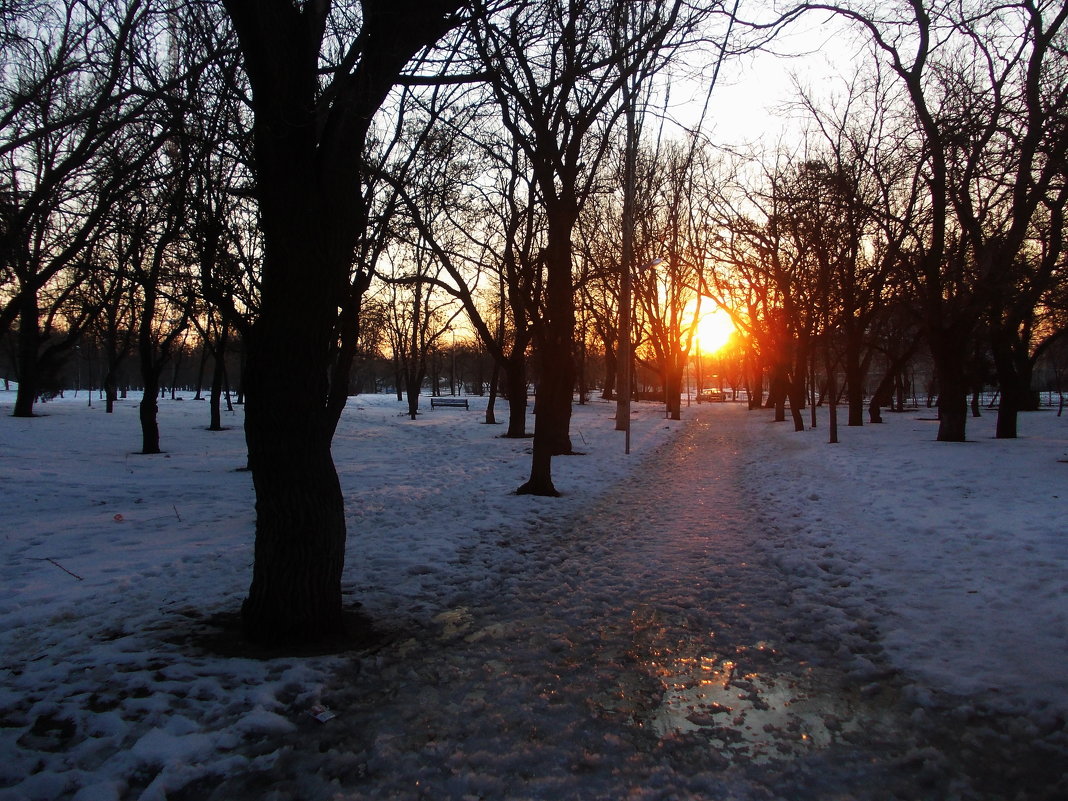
[[535, 647], [959, 551]]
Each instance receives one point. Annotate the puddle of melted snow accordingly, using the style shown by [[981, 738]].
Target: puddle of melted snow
[[748, 716]]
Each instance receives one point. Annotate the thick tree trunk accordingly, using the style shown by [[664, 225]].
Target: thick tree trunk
[[307, 152], [148, 413], [218, 376], [855, 374], [673, 396], [797, 403], [309, 222], [1014, 378], [949, 363], [110, 390], [755, 383], [777, 390], [495, 376], [29, 374], [1008, 415], [883, 396], [556, 342], [515, 377], [295, 593], [413, 382], [552, 419]]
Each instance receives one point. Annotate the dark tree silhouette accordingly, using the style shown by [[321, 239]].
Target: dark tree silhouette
[[311, 121], [556, 70]]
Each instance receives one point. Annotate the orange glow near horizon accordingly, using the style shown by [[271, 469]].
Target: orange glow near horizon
[[714, 330]]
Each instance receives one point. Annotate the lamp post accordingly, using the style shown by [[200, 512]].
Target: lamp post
[[452, 367], [626, 350], [626, 257]]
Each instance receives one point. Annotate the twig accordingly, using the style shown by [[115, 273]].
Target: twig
[[57, 564], [175, 508]]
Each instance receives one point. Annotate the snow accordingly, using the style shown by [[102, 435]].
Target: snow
[[734, 610]]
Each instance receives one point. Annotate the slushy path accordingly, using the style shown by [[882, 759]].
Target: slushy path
[[649, 651]]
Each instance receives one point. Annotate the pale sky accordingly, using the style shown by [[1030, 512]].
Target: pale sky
[[748, 101]]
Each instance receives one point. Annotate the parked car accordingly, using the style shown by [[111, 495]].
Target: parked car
[[711, 396]]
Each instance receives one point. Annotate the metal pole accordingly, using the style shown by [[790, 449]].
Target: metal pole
[[626, 301]]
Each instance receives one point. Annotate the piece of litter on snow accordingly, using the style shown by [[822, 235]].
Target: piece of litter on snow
[[321, 714]]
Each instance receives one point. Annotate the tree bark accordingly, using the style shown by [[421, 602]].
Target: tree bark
[[796, 393], [949, 362], [1012, 388], [556, 336], [495, 377], [754, 383], [300, 523], [295, 593], [29, 374], [307, 150], [413, 382], [515, 376], [777, 391], [673, 390], [883, 396], [148, 414], [218, 376], [832, 401], [856, 374]]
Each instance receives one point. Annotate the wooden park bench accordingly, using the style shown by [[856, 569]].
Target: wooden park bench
[[456, 402]]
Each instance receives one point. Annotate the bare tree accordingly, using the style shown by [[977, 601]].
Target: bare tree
[[158, 263], [318, 73], [985, 88], [765, 263], [76, 124], [671, 235], [420, 315], [556, 72], [112, 290], [598, 253], [213, 144], [483, 224]]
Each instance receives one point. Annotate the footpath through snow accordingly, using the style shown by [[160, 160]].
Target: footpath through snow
[[659, 647]]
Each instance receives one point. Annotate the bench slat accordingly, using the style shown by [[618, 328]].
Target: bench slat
[[457, 402]]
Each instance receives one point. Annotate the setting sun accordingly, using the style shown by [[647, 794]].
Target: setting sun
[[714, 330]]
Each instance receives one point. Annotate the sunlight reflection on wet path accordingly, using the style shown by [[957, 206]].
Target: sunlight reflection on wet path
[[706, 610], [661, 614], [648, 651], [752, 716]]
